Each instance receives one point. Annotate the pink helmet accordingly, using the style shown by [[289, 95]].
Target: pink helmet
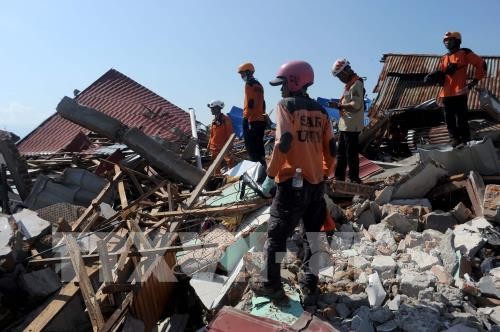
[[297, 74], [339, 65]]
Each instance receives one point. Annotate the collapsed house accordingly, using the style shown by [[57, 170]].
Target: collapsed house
[[117, 229]]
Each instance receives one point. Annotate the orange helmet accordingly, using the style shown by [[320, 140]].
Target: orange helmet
[[247, 66], [452, 34]]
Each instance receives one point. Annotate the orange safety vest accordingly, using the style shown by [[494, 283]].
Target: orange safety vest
[[220, 131], [304, 139], [254, 106], [454, 65]]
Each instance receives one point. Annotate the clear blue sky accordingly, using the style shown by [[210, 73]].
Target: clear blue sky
[[187, 51]]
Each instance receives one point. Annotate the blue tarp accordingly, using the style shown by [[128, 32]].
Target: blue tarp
[[334, 112], [236, 116]]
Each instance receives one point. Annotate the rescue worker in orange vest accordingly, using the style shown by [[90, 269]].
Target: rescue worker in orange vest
[[254, 115], [220, 130], [303, 157], [452, 75], [351, 106]]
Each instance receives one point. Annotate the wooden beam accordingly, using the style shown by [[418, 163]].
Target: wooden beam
[[88, 293], [119, 312], [106, 267], [223, 210], [201, 185], [170, 200], [95, 202], [126, 252], [121, 190], [124, 212], [63, 297]]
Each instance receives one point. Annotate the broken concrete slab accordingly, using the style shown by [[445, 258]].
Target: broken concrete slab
[[418, 318], [468, 242], [443, 277], [413, 282], [5, 235], [358, 262], [462, 213], [491, 203], [375, 290], [31, 225], [400, 223], [40, 284], [479, 156], [385, 266], [489, 285], [384, 196], [423, 260], [370, 215], [440, 221], [451, 296], [447, 252], [495, 315], [419, 181]]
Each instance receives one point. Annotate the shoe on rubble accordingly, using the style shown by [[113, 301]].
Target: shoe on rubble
[[261, 288]]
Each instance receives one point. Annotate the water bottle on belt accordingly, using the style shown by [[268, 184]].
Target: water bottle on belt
[[297, 180]]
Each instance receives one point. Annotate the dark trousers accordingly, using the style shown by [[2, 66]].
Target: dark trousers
[[254, 139], [288, 207], [347, 154], [455, 109]]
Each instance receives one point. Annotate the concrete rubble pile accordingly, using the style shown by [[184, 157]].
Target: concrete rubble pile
[[133, 237]]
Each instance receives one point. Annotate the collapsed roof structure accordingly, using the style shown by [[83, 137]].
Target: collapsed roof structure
[[118, 230]]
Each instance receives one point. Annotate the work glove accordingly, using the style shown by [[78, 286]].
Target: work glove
[[267, 186]]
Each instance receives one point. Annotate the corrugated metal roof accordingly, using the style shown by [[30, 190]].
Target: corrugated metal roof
[[118, 96], [400, 82]]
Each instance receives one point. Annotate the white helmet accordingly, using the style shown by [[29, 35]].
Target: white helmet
[[339, 65], [216, 103]]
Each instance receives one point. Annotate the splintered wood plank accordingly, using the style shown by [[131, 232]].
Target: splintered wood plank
[[121, 190], [88, 293], [197, 191]]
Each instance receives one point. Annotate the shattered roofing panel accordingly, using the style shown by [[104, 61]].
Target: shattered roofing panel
[[118, 96]]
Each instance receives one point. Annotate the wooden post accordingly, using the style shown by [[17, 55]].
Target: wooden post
[[88, 293], [197, 191]]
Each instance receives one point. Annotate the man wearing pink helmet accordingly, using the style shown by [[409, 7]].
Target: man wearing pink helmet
[[351, 106], [305, 146]]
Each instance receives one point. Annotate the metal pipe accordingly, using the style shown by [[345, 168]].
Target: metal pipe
[[194, 133]]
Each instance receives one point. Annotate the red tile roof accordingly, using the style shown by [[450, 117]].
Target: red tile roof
[[118, 96]]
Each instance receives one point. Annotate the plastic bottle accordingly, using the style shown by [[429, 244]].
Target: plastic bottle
[[297, 180]]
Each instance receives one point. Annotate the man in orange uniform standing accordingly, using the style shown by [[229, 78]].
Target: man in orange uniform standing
[[220, 131], [453, 66], [304, 145], [254, 114]]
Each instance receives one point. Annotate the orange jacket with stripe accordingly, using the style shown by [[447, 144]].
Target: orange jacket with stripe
[[220, 131], [454, 65], [254, 107], [304, 139]]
